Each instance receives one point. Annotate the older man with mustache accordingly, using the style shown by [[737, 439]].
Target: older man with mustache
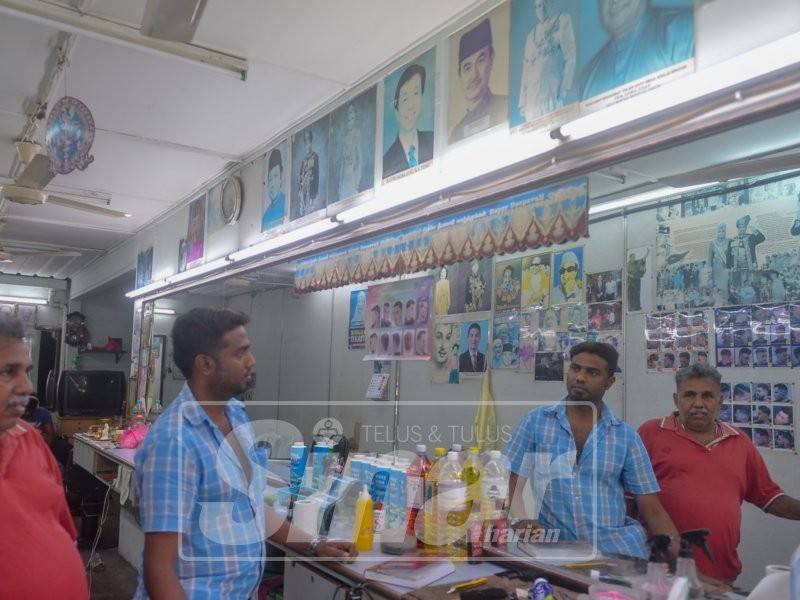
[[37, 542], [706, 468]]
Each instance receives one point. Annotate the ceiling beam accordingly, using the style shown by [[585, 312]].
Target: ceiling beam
[[33, 281], [74, 21], [62, 223]]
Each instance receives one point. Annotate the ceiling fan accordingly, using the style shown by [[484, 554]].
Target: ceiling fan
[[29, 184]]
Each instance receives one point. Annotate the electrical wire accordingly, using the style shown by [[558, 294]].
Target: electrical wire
[[101, 522]]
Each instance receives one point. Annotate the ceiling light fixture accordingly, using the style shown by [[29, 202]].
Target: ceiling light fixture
[[164, 311], [295, 235], [643, 198], [22, 300], [200, 270], [146, 289]]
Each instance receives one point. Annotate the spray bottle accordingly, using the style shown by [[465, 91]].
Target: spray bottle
[[686, 566], [656, 586]]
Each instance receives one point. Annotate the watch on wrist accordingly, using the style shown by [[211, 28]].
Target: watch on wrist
[[314, 544]]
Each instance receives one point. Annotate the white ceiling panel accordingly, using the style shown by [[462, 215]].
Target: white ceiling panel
[[66, 233]]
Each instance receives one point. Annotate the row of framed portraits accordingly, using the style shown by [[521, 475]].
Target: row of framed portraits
[[524, 65]]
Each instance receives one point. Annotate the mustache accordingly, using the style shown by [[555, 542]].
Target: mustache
[[18, 401]]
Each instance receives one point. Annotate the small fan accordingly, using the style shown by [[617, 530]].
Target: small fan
[[29, 184]]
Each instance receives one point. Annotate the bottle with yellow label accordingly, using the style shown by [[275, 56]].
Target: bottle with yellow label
[[363, 532]]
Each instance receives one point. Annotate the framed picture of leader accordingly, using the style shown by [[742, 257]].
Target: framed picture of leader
[[474, 342], [471, 287], [409, 116], [659, 36], [477, 96], [352, 151], [310, 169], [568, 280], [196, 230], [399, 316], [543, 60], [276, 189]]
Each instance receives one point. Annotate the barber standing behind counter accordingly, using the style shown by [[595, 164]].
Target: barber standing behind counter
[[200, 477], [706, 468], [582, 459]]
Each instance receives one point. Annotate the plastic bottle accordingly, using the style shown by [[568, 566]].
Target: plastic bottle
[[685, 566], [656, 584], [494, 484], [415, 490], [794, 578], [362, 532], [432, 538], [452, 514], [471, 473], [459, 449]]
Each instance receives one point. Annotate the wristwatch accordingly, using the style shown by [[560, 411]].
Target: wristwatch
[[314, 544]]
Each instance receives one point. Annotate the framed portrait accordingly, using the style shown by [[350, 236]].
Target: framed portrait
[[310, 169], [352, 147]]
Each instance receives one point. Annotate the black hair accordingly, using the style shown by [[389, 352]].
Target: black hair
[[684, 355], [11, 327], [405, 77], [410, 302], [398, 303], [200, 331], [275, 160], [474, 326], [605, 351]]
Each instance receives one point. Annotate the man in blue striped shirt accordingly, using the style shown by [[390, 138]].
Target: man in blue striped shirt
[[581, 460], [200, 476]]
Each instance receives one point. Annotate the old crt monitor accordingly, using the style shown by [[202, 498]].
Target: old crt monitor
[[91, 393]]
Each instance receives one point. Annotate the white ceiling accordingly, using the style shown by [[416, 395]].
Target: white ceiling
[[165, 126]]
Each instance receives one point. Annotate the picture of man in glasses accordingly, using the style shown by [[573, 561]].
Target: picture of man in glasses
[[568, 277]]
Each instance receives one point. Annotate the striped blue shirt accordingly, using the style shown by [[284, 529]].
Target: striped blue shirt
[[584, 499], [190, 481]]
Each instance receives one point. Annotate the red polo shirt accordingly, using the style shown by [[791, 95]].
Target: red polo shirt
[[37, 535], [704, 486]]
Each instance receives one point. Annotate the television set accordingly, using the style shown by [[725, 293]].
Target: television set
[[91, 393]]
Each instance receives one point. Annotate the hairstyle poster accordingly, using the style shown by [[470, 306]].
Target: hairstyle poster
[[276, 187], [544, 56], [403, 329], [356, 319], [310, 169], [195, 235], [477, 97], [352, 151], [409, 108]]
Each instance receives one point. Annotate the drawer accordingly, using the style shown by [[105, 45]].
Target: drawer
[[84, 456]]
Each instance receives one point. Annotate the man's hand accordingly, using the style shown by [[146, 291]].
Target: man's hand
[[344, 551]]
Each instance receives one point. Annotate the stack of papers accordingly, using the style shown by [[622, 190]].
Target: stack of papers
[[410, 572]]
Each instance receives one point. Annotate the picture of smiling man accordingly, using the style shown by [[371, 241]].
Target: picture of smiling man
[[275, 201], [472, 95], [408, 115]]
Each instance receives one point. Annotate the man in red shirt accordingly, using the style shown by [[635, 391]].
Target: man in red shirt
[[37, 535], [706, 468]]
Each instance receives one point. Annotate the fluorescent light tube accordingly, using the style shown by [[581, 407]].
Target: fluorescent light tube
[[199, 270], [295, 235], [21, 300], [146, 289], [164, 311], [642, 198]]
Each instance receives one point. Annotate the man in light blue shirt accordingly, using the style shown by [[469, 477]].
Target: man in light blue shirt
[[642, 40], [581, 461], [200, 477]]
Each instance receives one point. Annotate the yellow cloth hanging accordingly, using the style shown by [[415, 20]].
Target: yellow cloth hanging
[[485, 423], [441, 297]]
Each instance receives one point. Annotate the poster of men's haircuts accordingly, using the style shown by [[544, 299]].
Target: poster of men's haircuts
[[604, 287], [543, 57], [507, 284], [738, 246], [352, 150], [756, 336], [403, 331], [195, 235], [474, 343], [567, 283], [535, 280], [505, 340], [627, 48], [310, 169], [356, 337], [276, 186], [409, 111], [639, 279], [478, 76], [675, 340], [763, 410], [446, 350]]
